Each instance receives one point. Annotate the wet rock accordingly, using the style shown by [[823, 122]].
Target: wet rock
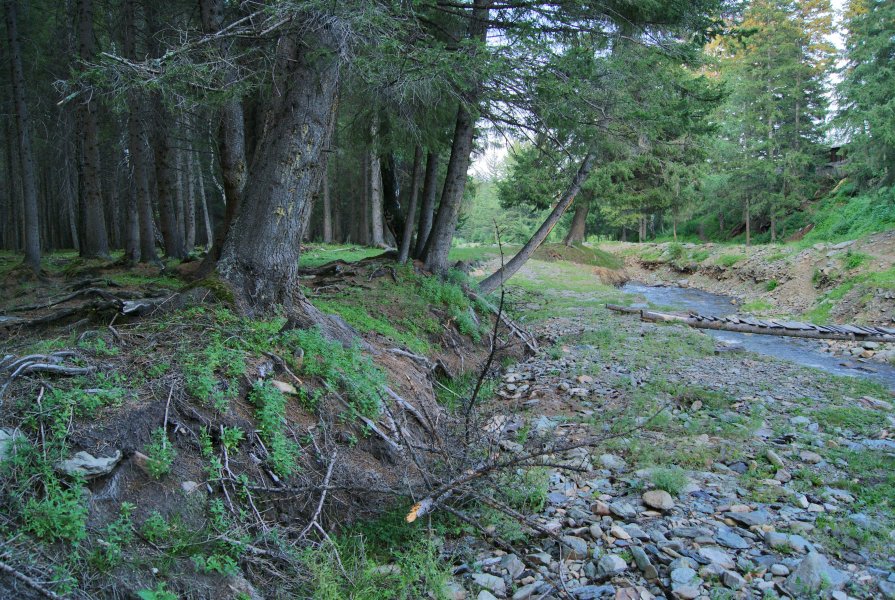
[[815, 574], [658, 499], [86, 465]]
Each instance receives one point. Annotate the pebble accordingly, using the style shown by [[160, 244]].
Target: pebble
[[733, 580], [611, 564]]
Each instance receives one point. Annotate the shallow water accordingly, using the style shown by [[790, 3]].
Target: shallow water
[[797, 350]]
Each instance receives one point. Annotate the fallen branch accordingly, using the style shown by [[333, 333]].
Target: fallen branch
[[29, 581]]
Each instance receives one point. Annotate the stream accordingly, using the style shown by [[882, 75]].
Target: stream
[[797, 350]]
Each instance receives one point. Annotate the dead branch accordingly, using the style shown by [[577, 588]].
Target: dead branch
[[29, 581]]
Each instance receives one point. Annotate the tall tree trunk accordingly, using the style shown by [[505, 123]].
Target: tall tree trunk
[[96, 241], [427, 210], [579, 220], [231, 140], [166, 180], [327, 210], [674, 225], [439, 243], [378, 233], [391, 204], [260, 255], [748, 222], [23, 128], [410, 219], [137, 149], [495, 280], [190, 200], [203, 202], [363, 236]]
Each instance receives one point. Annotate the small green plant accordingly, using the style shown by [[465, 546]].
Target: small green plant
[[155, 528], [527, 491], [270, 411], [60, 515], [208, 373], [675, 251], [221, 564], [728, 260], [158, 593], [853, 260], [231, 438], [672, 479], [771, 285], [160, 453], [117, 536]]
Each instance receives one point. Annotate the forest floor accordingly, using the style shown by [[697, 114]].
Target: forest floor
[[717, 474], [732, 475]]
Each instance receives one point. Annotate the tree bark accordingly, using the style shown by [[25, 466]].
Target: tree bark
[[378, 233], [23, 128], [410, 219], [96, 242], [579, 220], [327, 209], [427, 210], [260, 255], [203, 202], [137, 150], [166, 180], [189, 218], [748, 223], [494, 281], [439, 243]]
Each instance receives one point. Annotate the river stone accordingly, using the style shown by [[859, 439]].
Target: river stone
[[779, 570], [513, 565], [810, 457], [887, 589], [485, 595], [658, 499], [613, 462], [716, 556], [815, 574], [622, 510], [575, 548], [726, 537], [750, 519], [683, 575], [492, 583], [526, 591], [453, 591], [733, 580], [774, 458], [611, 564], [594, 592], [643, 563], [687, 592], [86, 465]]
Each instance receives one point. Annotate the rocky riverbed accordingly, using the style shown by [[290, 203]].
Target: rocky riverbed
[[723, 474]]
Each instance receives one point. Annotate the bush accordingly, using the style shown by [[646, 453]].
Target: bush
[[672, 480], [60, 515], [161, 454]]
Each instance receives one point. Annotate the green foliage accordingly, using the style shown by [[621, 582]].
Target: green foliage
[[117, 536], [728, 260], [160, 453], [858, 420], [347, 369], [231, 437], [672, 480], [61, 514], [759, 305], [270, 405], [316, 256], [209, 372], [771, 285], [526, 491], [157, 593], [155, 528], [853, 260], [221, 564]]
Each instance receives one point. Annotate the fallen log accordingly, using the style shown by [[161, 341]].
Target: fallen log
[[782, 329]]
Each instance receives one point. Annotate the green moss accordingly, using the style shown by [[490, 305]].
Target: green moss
[[728, 260]]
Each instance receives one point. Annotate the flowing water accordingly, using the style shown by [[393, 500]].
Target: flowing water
[[798, 350]]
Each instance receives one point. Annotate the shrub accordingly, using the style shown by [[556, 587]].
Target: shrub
[[160, 452], [270, 404], [672, 479], [771, 285], [60, 515]]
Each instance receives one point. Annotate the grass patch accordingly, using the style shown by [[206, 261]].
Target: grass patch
[[756, 306], [858, 420], [672, 480], [728, 260], [315, 256]]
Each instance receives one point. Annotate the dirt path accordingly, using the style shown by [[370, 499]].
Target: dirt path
[[729, 475]]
